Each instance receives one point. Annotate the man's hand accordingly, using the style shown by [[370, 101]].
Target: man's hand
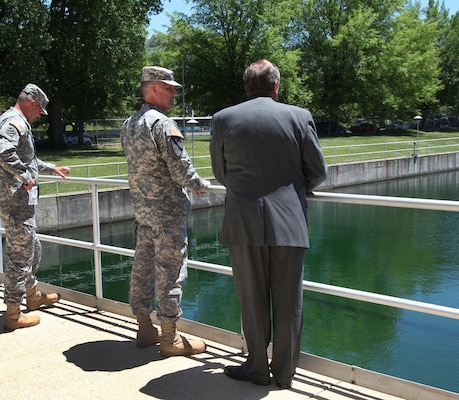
[[29, 185], [206, 185], [62, 171]]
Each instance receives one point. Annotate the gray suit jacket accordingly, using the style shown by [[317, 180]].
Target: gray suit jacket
[[268, 156]]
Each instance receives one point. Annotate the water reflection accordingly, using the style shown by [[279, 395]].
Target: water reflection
[[399, 252]]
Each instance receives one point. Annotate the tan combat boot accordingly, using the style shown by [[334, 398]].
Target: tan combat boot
[[35, 298], [172, 344], [147, 335], [15, 319]]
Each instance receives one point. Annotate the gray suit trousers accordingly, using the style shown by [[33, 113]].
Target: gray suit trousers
[[270, 277]]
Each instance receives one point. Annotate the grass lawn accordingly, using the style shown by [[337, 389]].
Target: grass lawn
[[103, 158]]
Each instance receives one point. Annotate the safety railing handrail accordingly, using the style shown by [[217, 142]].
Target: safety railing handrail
[[370, 297], [336, 154], [388, 201], [402, 142]]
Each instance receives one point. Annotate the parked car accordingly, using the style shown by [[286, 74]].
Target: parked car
[[398, 125], [402, 125], [364, 127], [71, 139], [446, 122], [325, 128]]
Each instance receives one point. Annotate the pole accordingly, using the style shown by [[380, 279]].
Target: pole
[[417, 138], [183, 98], [192, 122], [418, 119]]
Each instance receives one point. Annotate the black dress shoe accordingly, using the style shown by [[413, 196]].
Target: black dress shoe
[[236, 372], [284, 385]]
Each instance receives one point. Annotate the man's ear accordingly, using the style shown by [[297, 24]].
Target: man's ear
[[275, 90]]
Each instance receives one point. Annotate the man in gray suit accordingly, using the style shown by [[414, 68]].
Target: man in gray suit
[[268, 156]]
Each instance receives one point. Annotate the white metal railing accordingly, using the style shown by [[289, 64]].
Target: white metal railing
[[376, 298], [333, 155], [378, 151]]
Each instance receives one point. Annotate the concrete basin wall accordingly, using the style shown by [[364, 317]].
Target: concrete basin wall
[[75, 210]]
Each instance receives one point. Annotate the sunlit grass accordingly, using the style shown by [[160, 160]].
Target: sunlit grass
[[108, 160]]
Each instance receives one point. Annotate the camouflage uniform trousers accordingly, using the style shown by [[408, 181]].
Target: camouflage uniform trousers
[[159, 267], [23, 252]]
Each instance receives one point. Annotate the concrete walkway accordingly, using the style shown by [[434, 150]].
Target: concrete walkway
[[77, 352]]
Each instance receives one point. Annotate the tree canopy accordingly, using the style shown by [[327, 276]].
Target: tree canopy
[[23, 39], [343, 59], [86, 56], [215, 45], [449, 96]]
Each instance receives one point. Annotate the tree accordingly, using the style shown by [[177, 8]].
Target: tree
[[411, 68], [449, 54], [95, 58], [450, 65], [353, 49], [86, 56], [24, 39], [215, 44]]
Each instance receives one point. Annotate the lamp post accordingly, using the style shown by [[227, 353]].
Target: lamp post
[[192, 122], [183, 98], [418, 120]]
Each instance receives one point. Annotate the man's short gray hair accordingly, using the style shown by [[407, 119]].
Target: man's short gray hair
[[260, 77]]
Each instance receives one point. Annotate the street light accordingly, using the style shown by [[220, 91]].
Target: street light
[[192, 122], [418, 120], [183, 98]]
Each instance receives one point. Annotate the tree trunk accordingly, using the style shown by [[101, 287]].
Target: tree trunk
[[56, 125]]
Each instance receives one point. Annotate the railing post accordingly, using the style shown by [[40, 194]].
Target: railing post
[[96, 241]]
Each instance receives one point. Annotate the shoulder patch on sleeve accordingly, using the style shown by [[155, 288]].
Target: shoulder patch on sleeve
[[18, 125], [175, 141], [175, 132]]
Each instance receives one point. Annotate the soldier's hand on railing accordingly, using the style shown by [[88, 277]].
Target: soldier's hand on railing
[[62, 171], [206, 185]]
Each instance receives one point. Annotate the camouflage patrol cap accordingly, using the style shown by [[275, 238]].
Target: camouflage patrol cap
[[152, 74], [38, 95]]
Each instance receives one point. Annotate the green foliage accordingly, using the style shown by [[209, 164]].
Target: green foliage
[[411, 70], [450, 65], [366, 57], [87, 56], [95, 60], [343, 59], [217, 43], [23, 40]]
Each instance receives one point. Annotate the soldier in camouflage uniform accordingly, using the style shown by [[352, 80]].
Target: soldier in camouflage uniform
[[19, 168], [159, 169]]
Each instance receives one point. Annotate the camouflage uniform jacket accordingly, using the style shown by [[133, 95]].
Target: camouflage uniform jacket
[[159, 168], [18, 160]]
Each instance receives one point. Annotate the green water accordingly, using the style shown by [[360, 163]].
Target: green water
[[406, 253]]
